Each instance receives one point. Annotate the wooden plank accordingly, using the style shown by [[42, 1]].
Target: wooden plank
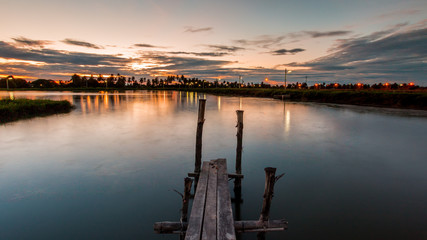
[[225, 222], [230, 175], [239, 226], [196, 217], [210, 217]]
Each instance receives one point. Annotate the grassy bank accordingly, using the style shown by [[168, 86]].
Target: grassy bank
[[12, 110], [393, 99]]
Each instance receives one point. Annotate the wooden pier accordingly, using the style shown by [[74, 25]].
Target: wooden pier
[[211, 213]]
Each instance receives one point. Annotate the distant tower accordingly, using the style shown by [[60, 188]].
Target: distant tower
[[240, 80]]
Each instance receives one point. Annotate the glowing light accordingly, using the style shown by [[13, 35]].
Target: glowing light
[[12, 60], [411, 84]]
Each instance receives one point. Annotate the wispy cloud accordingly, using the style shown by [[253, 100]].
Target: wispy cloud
[[399, 13], [225, 48], [81, 43], [287, 52], [144, 45], [317, 34], [263, 41], [31, 42], [268, 41], [201, 54], [191, 29]]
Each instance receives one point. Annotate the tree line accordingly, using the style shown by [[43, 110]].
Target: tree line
[[176, 81]]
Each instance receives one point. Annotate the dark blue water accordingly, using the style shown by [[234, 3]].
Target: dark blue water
[[107, 170]]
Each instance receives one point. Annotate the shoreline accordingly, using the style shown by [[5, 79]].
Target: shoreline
[[401, 99], [14, 110]]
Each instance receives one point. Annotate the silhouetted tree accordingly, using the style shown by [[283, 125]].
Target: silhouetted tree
[[76, 80]]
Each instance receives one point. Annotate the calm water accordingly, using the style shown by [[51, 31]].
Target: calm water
[[107, 170]]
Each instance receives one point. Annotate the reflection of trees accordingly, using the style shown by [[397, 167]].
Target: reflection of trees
[[99, 102], [166, 102]]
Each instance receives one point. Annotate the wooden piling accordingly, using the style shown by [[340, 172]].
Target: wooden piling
[[270, 179], [239, 141], [200, 121], [186, 198]]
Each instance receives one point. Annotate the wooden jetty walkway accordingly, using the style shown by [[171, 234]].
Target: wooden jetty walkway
[[211, 214]]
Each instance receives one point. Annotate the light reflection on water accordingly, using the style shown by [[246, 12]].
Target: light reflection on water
[[107, 169]]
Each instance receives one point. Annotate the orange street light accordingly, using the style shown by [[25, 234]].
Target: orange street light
[[7, 81], [286, 72]]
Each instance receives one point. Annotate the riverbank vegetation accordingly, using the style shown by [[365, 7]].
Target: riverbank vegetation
[[12, 110], [403, 95]]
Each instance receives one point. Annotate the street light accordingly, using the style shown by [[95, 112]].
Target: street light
[[286, 72], [7, 81]]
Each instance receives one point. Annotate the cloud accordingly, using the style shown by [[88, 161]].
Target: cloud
[[286, 52], [268, 41], [143, 45], [225, 48], [201, 54], [317, 34], [81, 43], [263, 41], [399, 13], [51, 56], [196, 30], [30, 42], [394, 54], [385, 54]]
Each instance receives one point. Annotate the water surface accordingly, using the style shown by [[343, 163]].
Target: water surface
[[107, 170]]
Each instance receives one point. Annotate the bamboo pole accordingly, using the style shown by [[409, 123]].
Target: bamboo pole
[[200, 121]]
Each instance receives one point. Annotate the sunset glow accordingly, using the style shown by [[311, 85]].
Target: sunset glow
[[344, 43]]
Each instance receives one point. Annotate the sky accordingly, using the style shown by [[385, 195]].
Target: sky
[[319, 41]]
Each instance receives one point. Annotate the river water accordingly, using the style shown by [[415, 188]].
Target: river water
[[108, 169]]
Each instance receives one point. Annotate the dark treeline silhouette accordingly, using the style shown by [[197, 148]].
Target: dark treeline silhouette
[[176, 81]]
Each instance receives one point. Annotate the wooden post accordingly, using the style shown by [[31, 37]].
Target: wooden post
[[270, 179], [200, 121], [186, 198], [239, 141]]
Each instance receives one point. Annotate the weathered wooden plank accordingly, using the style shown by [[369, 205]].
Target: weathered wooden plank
[[225, 222], [194, 230], [210, 218], [230, 175], [239, 226]]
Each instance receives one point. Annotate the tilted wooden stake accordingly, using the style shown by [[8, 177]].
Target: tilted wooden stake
[[186, 198], [270, 179], [200, 121]]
